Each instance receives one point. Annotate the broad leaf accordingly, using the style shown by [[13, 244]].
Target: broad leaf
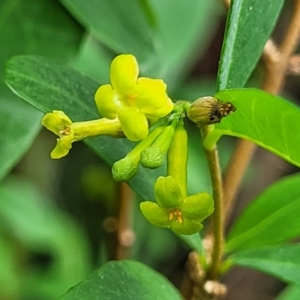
[[290, 293], [123, 280], [184, 35], [282, 261], [122, 28], [265, 119], [271, 218], [249, 25], [28, 27]]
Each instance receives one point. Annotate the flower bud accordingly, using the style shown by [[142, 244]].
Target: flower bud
[[154, 156], [209, 110], [126, 168]]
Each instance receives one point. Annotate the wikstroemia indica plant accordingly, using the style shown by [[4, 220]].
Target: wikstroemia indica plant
[[140, 110]]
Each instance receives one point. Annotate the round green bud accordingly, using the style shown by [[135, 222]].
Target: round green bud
[[124, 169], [209, 110]]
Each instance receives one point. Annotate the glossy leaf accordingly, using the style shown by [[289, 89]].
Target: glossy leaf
[[271, 218], [267, 120], [28, 27], [123, 280], [249, 25], [290, 293], [282, 261], [122, 28]]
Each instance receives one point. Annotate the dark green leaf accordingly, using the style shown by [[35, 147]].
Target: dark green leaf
[[290, 293], [281, 261], [28, 27], [19, 125], [122, 28], [48, 86], [265, 119], [123, 280], [271, 218], [249, 25]]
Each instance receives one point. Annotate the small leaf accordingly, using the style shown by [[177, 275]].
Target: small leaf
[[271, 218], [123, 280], [281, 261], [249, 25], [267, 120]]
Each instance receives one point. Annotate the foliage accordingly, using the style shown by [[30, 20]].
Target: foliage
[[57, 57]]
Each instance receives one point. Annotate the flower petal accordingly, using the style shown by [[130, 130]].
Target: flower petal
[[62, 149], [167, 193], [164, 110], [124, 71], [56, 121], [104, 99], [188, 227], [197, 207], [152, 96], [154, 214], [134, 123]]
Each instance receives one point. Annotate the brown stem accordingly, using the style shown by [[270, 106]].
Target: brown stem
[[232, 178], [125, 235]]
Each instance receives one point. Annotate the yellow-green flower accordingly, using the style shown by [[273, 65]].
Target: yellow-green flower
[[68, 132], [172, 210], [134, 101]]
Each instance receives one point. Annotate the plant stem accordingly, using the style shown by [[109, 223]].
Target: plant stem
[[125, 235], [276, 62], [217, 217]]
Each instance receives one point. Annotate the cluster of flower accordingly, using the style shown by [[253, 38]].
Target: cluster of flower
[[130, 106]]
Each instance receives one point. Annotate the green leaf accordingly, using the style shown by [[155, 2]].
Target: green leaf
[[271, 218], [47, 86], [124, 280], [265, 119], [29, 27], [27, 219], [19, 125], [290, 293], [187, 28], [281, 261], [122, 28], [249, 25]]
